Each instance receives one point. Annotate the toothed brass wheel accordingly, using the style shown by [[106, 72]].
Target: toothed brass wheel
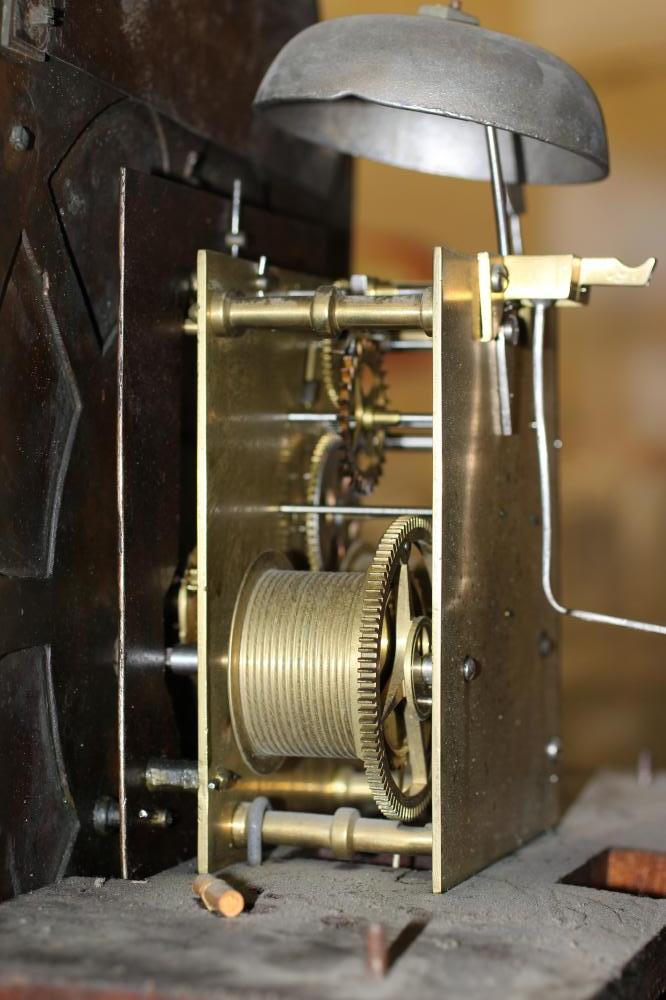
[[328, 537], [362, 398], [394, 684], [339, 665], [330, 370]]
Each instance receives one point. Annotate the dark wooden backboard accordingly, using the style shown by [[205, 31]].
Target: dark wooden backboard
[[160, 90]]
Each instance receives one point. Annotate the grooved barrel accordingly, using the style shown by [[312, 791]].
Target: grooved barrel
[[297, 663]]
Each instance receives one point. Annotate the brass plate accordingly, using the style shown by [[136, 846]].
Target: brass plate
[[249, 457], [493, 784]]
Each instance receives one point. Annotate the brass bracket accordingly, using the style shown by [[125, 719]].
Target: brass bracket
[[559, 278]]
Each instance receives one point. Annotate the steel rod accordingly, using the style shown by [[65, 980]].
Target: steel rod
[[355, 511], [515, 206], [408, 344], [422, 421], [408, 442], [312, 418], [182, 659], [499, 192]]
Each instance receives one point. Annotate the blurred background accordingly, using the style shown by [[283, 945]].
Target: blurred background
[[612, 354]]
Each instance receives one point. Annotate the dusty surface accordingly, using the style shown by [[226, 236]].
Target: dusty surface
[[512, 931]]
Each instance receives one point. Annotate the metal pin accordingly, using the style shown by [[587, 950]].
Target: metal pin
[[235, 213], [235, 239], [376, 950], [261, 282]]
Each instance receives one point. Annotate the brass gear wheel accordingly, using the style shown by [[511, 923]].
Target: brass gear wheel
[[362, 393], [330, 374], [327, 537], [388, 581], [338, 665]]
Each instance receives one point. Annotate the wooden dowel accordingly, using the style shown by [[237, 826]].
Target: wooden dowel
[[218, 896]]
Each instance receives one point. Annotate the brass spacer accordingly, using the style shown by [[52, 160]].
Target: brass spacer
[[427, 309], [322, 311], [218, 316], [342, 832]]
